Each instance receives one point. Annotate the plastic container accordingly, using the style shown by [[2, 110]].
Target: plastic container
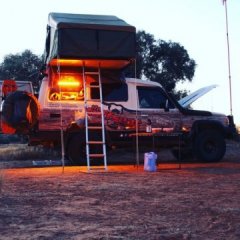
[[150, 162]]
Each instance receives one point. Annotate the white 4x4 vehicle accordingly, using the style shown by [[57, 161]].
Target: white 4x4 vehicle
[[127, 104], [71, 101]]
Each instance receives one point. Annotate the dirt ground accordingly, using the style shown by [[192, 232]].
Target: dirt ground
[[187, 201]]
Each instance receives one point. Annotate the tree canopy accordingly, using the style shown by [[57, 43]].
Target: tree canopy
[[23, 67], [165, 62]]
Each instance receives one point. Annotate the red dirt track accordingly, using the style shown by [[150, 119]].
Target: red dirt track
[[198, 201]]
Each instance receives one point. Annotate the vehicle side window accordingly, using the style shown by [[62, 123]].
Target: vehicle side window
[[114, 92], [24, 87], [152, 97]]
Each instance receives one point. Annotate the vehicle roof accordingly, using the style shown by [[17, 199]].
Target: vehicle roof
[[142, 82], [18, 81], [20, 84]]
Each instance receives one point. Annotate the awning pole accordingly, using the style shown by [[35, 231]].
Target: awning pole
[[136, 117], [61, 119]]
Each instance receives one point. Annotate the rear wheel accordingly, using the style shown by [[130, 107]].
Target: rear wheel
[[209, 146], [76, 149]]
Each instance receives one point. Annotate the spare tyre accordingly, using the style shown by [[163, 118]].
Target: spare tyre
[[20, 110]]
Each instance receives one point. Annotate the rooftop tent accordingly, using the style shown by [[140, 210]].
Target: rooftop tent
[[80, 36]]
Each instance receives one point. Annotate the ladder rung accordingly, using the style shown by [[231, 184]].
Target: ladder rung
[[94, 113], [96, 155], [93, 168], [94, 86], [93, 100], [91, 73], [95, 142], [94, 127]]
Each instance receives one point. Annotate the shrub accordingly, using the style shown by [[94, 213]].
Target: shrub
[[10, 152]]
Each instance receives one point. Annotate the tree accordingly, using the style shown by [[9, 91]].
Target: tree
[[165, 62], [25, 66]]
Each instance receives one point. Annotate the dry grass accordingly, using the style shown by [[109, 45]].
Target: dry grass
[[24, 152]]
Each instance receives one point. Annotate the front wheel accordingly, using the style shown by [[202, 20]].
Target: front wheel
[[209, 146]]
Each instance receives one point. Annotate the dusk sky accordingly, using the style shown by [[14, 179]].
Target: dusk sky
[[198, 25]]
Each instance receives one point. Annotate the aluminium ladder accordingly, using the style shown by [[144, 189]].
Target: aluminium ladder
[[96, 129]]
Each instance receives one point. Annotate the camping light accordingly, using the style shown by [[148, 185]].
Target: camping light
[[69, 81]]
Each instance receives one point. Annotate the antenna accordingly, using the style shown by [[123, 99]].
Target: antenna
[[229, 62]]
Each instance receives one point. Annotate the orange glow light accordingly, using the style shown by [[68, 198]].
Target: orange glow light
[[114, 64], [69, 81], [66, 62], [68, 84]]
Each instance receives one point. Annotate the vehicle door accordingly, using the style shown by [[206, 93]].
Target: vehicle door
[[157, 111]]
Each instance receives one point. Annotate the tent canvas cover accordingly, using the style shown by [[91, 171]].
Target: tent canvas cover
[[81, 36]]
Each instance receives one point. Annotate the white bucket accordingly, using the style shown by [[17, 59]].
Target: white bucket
[[150, 161]]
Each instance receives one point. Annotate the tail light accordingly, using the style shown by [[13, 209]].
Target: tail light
[[8, 86]]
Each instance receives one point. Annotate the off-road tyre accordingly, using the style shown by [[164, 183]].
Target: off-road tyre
[[11, 108], [209, 146]]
